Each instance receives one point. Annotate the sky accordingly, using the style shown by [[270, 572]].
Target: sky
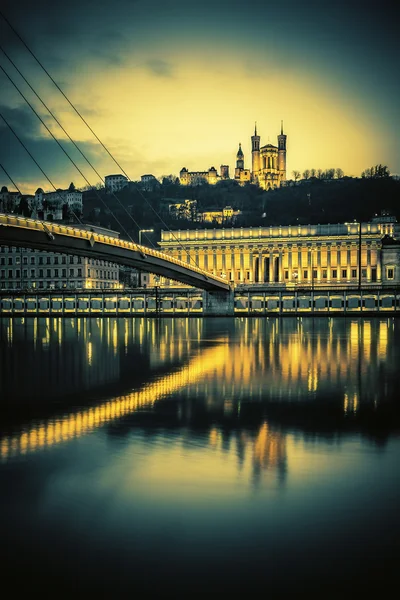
[[171, 84]]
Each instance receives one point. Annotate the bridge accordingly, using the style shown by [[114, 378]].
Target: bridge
[[53, 237]]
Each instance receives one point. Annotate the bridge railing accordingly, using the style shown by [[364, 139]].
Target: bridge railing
[[56, 228]]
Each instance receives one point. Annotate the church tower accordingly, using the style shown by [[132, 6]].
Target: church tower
[[282, 154], [239, 162], [255, 154]]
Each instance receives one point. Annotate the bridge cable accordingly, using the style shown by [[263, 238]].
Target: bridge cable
[[21, 194], [94, 134], [59, 144], [35, 161]]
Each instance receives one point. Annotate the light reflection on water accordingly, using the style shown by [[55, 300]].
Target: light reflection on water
[[192, 445]]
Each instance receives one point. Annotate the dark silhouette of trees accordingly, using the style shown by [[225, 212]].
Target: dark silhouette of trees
[[376, 172]]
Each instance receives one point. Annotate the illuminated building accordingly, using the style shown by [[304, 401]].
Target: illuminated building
[[268, 168], [198, 177], [294, 255], [227, 215], [23, 268]]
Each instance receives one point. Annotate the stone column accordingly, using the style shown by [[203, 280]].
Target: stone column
[[271, 267], [328, 261], [368, 262]]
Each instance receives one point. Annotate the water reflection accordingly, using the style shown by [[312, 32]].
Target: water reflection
[[218, 368]]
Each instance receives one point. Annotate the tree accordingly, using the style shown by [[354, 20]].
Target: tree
[[313, 173], [339, 174], [321, 174], [296, 175], [306, 174], [376, 172], [71, 187]]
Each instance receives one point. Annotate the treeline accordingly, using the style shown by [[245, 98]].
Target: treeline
[[311, 201]]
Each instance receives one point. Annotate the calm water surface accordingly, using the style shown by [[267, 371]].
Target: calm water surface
[[182, 457]]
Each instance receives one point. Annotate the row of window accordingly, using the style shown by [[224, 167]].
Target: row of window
[[41, 260], [345, 273], [55, 285], [16, 273]]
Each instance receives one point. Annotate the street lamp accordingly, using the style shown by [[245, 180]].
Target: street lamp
[[144, 231]]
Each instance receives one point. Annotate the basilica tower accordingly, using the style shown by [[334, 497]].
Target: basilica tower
[[282, 154], [255, 154], [239, 162]]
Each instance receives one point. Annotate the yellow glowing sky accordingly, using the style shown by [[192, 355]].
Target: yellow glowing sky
[[171, 89]]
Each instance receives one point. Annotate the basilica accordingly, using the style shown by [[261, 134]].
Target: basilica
[[268, 166]]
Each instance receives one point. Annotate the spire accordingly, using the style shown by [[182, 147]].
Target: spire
[[282, 127], [240, 151], [255, 128]]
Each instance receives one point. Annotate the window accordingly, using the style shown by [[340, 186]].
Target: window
[[40, 272], [32, 272], [238, 275], [363, 272], [354, 272], [71, 260], [248, 275], [344, 273], [10, 274], [3, 274], [79, 272], [286, 274], [64, 272], [79, 260], [71, 272], [25, 273], [305, 274], [48, 273], [3, 261], [10, 261], [32, 260], [324, 274], [25, 260], [56, 260], [40, 260], [41, 284], [64, 260], [17, 273], [315, 274], [48, 260], [55, 272], [390, 272], [17, 260], [334, 273]]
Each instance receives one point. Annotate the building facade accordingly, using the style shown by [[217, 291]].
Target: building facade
[[26, 269], [114, 183], [268, 166], [43, 205], [294, 256]]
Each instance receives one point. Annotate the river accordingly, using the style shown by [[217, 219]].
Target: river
[[175, 457]]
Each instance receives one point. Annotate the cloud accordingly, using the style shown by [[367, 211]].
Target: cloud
[[21, 119], [159, 67]]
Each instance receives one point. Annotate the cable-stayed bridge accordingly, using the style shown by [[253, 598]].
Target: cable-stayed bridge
[[53, 237]]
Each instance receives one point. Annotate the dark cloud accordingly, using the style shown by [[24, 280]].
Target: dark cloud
[[21, 119], [159, 67]]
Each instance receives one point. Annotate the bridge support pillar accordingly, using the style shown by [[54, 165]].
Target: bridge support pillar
[[218, 304]]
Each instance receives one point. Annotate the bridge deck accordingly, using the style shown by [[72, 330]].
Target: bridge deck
[[54, 237]]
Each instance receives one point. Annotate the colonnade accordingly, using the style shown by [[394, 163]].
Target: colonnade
[[305, 262]]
